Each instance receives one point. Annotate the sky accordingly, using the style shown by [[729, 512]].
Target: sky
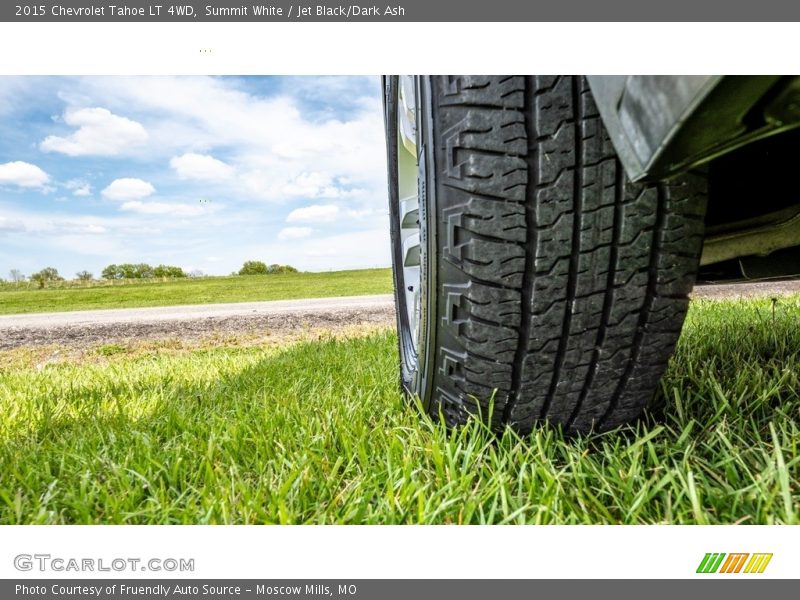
[[200, 172]]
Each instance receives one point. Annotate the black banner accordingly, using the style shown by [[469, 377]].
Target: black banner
[[397, 589], [401, 10]]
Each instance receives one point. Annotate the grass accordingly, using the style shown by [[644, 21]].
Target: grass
[[318, 433], [15, 299]]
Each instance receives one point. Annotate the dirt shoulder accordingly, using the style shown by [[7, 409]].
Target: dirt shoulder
[[757, 289], [273, 326]]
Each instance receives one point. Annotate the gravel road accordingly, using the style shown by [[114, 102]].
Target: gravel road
[[83, 328]]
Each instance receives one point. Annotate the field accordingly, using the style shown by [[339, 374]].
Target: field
[[15, 299], [316, 432]]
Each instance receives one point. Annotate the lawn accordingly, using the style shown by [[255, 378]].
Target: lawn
[[205, 290], [316, 432]]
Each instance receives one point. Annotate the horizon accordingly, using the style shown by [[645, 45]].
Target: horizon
[[97, 277]]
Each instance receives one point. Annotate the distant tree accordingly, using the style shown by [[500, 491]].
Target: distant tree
[[16, 276], [46, 275], [143, 271], [134, 271], [254, 267], [111, 272], [84, 276], [127, 271], [276, 269], [196, 273], [168, 271]]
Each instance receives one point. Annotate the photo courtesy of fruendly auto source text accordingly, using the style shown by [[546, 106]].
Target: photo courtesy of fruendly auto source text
[[278, 320]]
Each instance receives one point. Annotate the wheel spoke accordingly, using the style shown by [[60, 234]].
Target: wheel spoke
[[407, 115], [408, 211], [411, 251]]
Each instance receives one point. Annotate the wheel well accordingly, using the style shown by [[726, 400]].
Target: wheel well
[[757, 179], [754, 211]]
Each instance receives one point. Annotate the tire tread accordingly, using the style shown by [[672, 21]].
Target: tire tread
[[564, 287]]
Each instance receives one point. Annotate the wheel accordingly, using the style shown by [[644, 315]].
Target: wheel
[[532, 281]]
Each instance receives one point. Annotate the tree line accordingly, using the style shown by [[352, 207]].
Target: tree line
[[257, 267], [143, 271]]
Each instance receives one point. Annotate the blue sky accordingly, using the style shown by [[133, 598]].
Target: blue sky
[[200, 172]]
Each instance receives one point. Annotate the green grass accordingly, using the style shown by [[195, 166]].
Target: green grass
[[317, 433], [14, 299]]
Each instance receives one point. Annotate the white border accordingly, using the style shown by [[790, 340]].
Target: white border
[[375, 48], [428, 552]]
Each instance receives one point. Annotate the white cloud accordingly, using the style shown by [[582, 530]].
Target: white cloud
[[78, 227], [316, 213], [201, 166], [312, 185], [99, 133], [57, 223], [278, 147], [23, 174], [294, 233], [79, 187], [164, 208], [128, 188], [361, 213], [11, 225]]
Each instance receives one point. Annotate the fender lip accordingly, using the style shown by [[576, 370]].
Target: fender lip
[[662, 125]]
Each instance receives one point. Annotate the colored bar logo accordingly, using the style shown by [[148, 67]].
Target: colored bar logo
[[719, 562]]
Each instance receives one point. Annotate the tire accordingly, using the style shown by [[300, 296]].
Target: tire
[[550, 287]]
